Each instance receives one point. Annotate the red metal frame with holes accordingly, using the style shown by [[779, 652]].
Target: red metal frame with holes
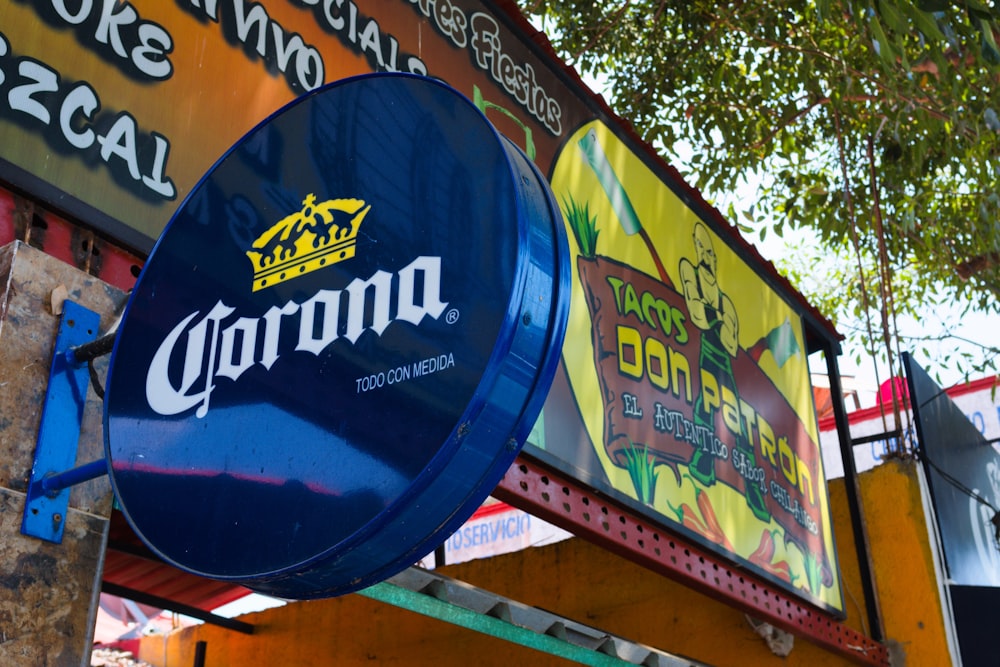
[[567, 503], [22, 219]]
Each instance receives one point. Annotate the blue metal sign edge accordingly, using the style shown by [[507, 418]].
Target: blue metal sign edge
[[544, 281]]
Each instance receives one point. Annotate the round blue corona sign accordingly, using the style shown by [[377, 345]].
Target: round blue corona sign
[[339, 342]]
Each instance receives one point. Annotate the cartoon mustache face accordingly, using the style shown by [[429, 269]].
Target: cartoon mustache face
[[704, 250]]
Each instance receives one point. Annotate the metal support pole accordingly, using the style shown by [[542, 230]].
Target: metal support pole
[[199, 653], [53, 484], [93, 349], [854, 504], [164, 603]]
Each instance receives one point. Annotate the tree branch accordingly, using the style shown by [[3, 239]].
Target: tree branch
[[603, 30], [751, 39]]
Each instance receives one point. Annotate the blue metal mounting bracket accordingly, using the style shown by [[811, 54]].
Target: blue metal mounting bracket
[[59, 433]]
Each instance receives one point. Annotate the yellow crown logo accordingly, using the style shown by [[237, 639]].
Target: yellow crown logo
[[317, 236]]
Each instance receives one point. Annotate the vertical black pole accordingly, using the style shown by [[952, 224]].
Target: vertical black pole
[[853, 493], [199, 653]]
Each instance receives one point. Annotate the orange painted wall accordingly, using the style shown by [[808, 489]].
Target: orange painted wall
[[902, 559], [595, 587]]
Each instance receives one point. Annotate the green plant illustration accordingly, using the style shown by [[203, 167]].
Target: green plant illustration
[[642, 469], [583, 225]]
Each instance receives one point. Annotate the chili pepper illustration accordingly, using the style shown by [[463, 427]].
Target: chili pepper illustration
[[704, 523], [763, 556], [712, 521], [765, 550], [688, 518]]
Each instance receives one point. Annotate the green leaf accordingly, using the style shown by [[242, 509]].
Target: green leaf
[[893, 18], [934, 5], [924, 22], [990, 51], [881, 43], [977, 10]]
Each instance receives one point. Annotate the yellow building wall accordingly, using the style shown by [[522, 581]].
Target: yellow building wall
[[907, 582], [595, 587]]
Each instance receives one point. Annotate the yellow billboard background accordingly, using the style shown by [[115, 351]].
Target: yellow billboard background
[[669, 224]]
